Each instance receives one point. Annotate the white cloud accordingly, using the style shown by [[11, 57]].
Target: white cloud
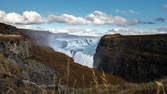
[[68, 19], [95, 18], [124, 31], [13, 18], [69, 30], [32, 27], [28, 17], [131, 31], [72, 30], [99, 32], [32, 17], [100, 18]]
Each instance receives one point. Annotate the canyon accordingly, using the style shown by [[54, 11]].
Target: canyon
[[41, 65], [31, 64]]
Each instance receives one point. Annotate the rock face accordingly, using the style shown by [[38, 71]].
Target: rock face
[[15, 44], [20, 72], [137, 58], [12, 80], [18, 50]]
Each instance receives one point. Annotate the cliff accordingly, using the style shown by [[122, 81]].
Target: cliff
[[17, 49], [136, 58], [12, 79], [41, 65], [19, 70]]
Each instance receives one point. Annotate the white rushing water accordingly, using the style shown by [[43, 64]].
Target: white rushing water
[[80, 48]]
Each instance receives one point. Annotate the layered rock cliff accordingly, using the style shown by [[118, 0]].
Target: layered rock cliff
[[17, 49], [137, 58], [20, 72]]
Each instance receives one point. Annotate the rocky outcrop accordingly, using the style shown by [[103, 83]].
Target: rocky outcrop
[[12, 79], [18, 50], [15, 44], [137, 58]]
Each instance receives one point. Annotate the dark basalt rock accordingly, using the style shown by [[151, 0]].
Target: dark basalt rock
[[137, 58]]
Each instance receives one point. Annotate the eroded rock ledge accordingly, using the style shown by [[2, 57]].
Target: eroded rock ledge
[[137, 58]]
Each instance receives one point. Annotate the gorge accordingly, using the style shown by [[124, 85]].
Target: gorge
[[30, 64]]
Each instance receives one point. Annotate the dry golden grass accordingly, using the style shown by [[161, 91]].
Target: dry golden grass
[[10, 37], [11, 79]]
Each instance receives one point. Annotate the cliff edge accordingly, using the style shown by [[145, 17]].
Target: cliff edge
[[136, 58]]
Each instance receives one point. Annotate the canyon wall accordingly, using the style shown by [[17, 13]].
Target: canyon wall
[[136, 58]]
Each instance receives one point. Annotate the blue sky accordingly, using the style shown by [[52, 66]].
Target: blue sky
[[144, 11]]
